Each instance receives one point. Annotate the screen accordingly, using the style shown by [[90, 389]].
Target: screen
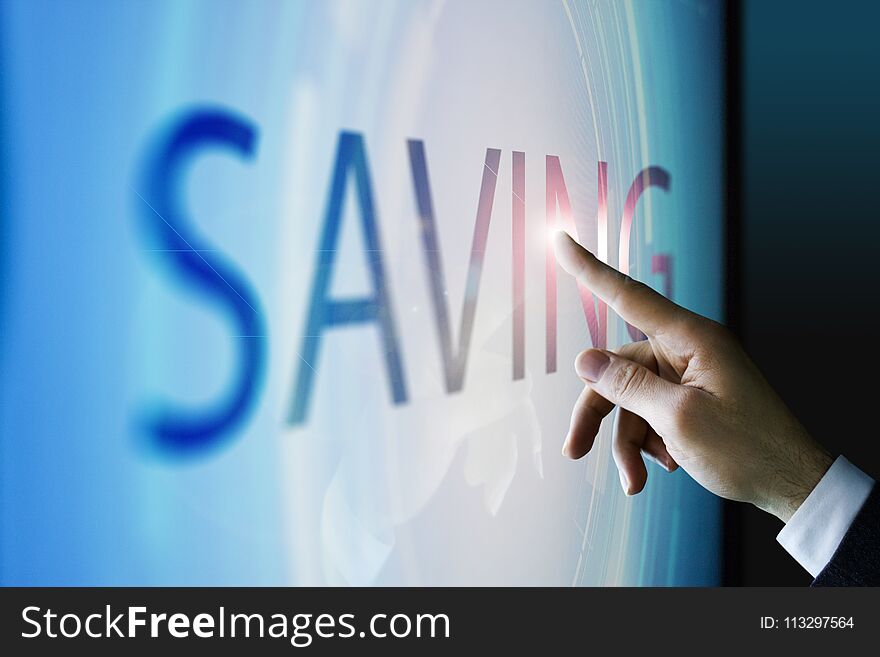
[[279, 304]]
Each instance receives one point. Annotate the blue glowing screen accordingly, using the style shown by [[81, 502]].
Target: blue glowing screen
[[277, 301]]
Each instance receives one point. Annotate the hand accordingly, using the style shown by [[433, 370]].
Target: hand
[[688, 396]]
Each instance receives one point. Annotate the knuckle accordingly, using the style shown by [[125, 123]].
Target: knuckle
[[683, 410], [706, 334], [715, 331], [627, 380], [717, 344], [636, 287], [631, 350], [626, 290]]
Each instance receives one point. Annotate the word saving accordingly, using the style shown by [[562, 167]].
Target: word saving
[[188, 258]]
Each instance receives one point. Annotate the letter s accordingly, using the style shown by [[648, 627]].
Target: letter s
[[24, 617], [191, 262]]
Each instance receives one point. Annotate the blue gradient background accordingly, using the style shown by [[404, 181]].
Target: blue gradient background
[[92, 330]]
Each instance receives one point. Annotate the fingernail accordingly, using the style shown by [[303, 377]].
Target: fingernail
[[591, 364], [623, 482]]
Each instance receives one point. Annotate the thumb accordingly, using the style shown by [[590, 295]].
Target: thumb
[[630, 385]]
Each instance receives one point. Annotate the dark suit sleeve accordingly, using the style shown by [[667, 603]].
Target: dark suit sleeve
[[857, 559]]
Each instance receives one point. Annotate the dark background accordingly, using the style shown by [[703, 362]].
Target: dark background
[[805, 231]]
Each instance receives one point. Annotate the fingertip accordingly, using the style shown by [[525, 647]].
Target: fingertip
[[569, 450], [664, 462], [586, 420], [591, 364], [633, 484], [624, 482], [565, 446], [560, 241], [569, 253], [643, 481], [655, 449], [561, 238]]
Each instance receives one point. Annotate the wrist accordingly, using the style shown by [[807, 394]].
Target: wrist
[[795, 476]]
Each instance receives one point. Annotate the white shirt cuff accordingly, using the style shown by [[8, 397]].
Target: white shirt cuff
[[815, 530]]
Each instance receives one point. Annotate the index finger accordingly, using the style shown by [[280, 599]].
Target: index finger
[[635, 302]]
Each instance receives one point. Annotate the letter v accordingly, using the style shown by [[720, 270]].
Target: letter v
[[454, 360]]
